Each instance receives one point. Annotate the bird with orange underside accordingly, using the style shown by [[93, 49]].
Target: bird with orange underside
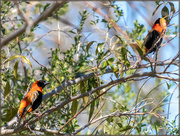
[[154, 38], [33, 98]]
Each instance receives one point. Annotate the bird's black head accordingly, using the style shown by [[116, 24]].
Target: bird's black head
[[157, 21], [42, 83]]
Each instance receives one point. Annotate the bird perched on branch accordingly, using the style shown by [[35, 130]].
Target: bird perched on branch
[[33, 98], [154, 38]]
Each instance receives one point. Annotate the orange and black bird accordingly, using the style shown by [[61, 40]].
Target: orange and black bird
[[33, 98], [154, 37]]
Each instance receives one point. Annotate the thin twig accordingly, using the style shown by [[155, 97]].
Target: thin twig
[[80, 111], [41, 17], [21, 12], [159, 103], [48, 71], [42, 66], [156, 54], [170, 101], [31, 130], [169, 40], [19, 45], [97, 112], [177, 55], [139, 94]]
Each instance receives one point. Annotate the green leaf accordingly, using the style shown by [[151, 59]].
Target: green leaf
[[12, 58], [7, 89], [11, 113], [172, 7], [74, 107], [168, 85], [157, 2], [110, 62], [120, 39], [115, 71], [26, 60], [45, 7], [3, 30], [84, 68], [16, 68], [122, 73], [72, 32], [156, 9], [135, 48], [138, 129], [139, 43], [99, 48], [89, 45], [125, 128], [110, 119], [83, 90], [103, 66], [91, 110], [165, 12], [120, 125], [123, 52]]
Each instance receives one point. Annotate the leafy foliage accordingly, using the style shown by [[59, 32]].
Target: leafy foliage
[[109, 57]]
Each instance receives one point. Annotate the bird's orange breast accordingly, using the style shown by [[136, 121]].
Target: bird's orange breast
[[158, 28], [23, 105]]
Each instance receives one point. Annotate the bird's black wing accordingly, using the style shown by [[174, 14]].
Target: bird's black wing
[[152, 39]]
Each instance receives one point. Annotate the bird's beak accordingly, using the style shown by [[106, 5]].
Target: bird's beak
[[46, 83]]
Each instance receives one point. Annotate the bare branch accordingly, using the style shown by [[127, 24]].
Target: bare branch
[[21, 30], [47, 130], [177, 55], [42, 66]]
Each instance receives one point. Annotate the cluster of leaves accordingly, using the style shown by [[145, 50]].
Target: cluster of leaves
[[165, 11], [118, 12], [6, 6], [137, 32], [69, 68]]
